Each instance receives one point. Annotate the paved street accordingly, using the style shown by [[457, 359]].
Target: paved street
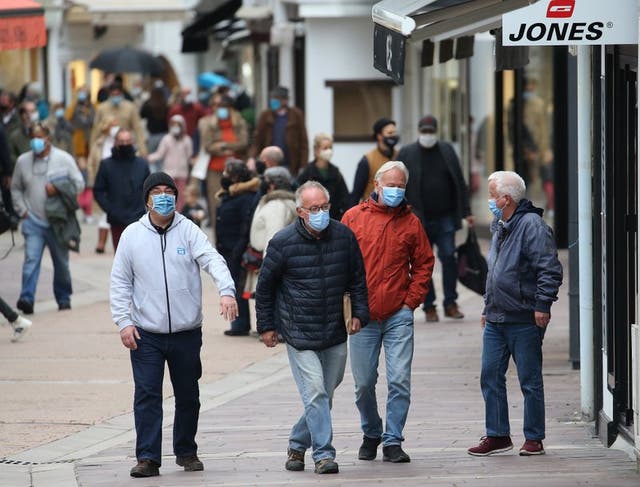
[[66, 393]]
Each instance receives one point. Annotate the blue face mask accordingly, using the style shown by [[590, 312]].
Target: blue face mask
[[116, 99], [82, 96], [274, 104], [223, 113], [392, 196], [59, 112], [164, 204], [37, 145], [493, 207], [319, 221]]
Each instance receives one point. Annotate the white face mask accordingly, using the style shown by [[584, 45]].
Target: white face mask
[[427, 140], [113, 131], [175, 130], [34, 117], [326, 154]]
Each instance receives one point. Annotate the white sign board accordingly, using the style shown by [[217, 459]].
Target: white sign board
[[572, 22]]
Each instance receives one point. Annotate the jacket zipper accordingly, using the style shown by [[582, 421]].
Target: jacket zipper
[[163, 246]]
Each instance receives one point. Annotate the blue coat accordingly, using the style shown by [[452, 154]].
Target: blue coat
[[524, 271]]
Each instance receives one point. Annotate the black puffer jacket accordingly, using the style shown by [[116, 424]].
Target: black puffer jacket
[[302, 282]]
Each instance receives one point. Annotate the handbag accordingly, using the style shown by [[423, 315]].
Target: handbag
[[200, 167], [472, 266], [251, 259]]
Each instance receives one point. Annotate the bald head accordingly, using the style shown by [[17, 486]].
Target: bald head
[[272, 156]]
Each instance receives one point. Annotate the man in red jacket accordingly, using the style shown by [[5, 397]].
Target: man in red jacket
[[398, 262]]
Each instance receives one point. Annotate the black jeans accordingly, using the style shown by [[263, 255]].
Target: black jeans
[[181, 352], [8, 311]]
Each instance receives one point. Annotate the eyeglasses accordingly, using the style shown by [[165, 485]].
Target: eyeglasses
[[159, 192], [317, 209]]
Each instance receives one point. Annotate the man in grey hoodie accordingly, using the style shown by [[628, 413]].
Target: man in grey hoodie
[[156, 302], [523, 281]]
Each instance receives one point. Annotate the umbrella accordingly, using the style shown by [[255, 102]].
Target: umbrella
[[209, 80], [127, 60]]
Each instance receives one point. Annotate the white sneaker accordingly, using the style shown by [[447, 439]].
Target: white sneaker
[[20, 327]]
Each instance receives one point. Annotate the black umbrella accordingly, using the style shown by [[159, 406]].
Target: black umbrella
[[127, 60]]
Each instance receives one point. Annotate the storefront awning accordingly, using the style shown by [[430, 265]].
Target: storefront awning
[[134, 12], [399, 21], [195, 37], [22, 25]]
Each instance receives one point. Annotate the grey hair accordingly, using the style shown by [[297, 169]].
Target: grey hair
[[388, 166], [307, 185], [509, 182], [279, 176]]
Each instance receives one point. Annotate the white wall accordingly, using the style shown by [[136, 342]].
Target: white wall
[[337, 49]]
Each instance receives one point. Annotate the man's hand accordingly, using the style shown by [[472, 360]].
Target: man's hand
[[51, 189], [251, 164], [356, 326], [270, 338], [228, 307], [471, 220], [542, 319], [483, 322], [129, 335]]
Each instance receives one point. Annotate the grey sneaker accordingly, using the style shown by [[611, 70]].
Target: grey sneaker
[[295, 460], [326, 465], [20, 327]]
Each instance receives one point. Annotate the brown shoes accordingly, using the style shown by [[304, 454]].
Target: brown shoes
[[431, 315], [191, 463], [145, 468], [452, 311]]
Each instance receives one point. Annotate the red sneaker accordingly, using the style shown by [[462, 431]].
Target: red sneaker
[[490, 445], [531, 447]]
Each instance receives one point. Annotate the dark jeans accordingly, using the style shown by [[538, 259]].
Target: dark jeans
[[442, 234], [7, 311], [181, 352]]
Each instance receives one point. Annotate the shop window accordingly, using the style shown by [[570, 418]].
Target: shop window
[[357, 104]]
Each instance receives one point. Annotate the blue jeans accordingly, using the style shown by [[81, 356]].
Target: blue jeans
[[523, 342], [396, 334], [37, 235], [181, 352], [317, 373], [442, 234]]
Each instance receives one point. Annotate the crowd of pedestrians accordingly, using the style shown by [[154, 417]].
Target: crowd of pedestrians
[[331, 271]]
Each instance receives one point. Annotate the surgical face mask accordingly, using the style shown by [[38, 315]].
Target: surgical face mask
[[493, 207], [123, 152], [225, 182], [113, 131], [82, 96], [37, 145], [223, 113], [59, 113], [326, 154], [275, 104], [391, 141], [34, 117], [319, 221], [427, 140], [164, 204], [392, 196], [175, 130], [116, 100]]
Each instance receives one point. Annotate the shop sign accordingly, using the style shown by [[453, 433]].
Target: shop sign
[[571, 22], [389, 52]]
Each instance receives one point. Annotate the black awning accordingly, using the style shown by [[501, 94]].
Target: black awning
[[195, 37]]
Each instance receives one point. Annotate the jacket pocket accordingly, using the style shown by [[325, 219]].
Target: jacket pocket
[[185, 309]]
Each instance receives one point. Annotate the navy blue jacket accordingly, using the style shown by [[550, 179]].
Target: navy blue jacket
[[118, 189], [233, 219], [524, 271], [302, 282]]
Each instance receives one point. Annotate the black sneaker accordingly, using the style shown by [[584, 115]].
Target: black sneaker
[[295, 460], [191, 463], [64, 306], [394, 454], [145, 468], [25, 306], [326, 465], [369, 448]]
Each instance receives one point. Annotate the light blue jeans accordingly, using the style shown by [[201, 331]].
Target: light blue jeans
[[396, 334], [317, 373], [36, 236], [523, 342]]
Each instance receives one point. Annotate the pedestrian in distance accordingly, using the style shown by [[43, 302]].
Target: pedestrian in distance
[[398, 262], [438, 194], [523, 281], [386, 136], [156, 302], [308, 267], [38, 176], [119, 183]]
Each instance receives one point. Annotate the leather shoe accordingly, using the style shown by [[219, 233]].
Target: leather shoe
[[236, 333], [369, 448], [452, 311], [25, 306], [64, 306], [191, 463], [431, 315], [145, 468], [394, 454]]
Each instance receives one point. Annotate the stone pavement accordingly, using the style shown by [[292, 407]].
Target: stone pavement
[[247, 413]]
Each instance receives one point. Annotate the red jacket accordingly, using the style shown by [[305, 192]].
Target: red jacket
[[397, 256]]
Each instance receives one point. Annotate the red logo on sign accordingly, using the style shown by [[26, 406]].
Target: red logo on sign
[[560, 9]]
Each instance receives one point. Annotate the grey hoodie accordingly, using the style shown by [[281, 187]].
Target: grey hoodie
[[524, 271], [155, 278]]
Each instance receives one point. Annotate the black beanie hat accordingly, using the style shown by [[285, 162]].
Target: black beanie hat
[[156, 179]]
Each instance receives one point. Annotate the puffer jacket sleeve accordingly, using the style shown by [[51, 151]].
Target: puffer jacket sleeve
[[268, 283], [422, 261], [358, 283], [543, 255]]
